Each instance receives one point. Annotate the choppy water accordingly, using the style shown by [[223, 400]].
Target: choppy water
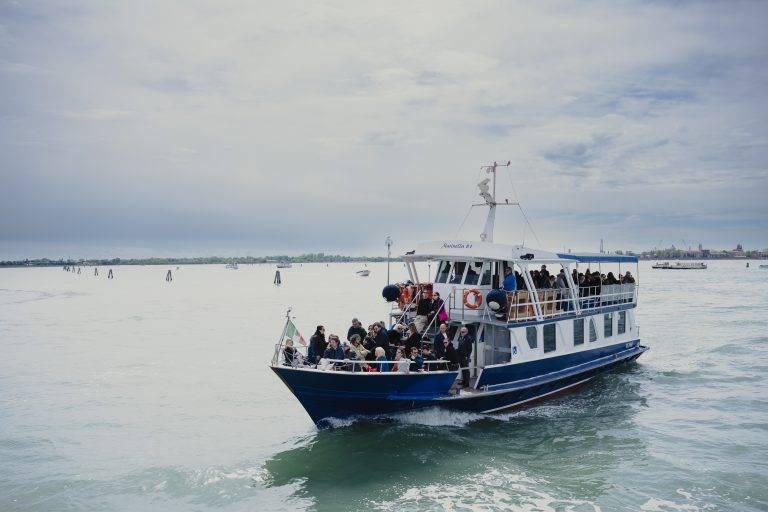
[[136, 394]]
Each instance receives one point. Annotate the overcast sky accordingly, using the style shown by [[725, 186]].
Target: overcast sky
[[189, 128]]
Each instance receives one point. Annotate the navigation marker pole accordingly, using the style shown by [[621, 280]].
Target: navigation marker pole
[[388, 241]]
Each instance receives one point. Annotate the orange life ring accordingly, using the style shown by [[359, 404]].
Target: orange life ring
[[478, 298]]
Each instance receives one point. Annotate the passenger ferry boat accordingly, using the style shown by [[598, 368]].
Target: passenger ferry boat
[[680, 265], [529, 344]]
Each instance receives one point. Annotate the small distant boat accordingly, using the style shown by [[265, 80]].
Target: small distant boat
[[284, 264], [763, 266], [232, 265], [363, 272], [680, 265]]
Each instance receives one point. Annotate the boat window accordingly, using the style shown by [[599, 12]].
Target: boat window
[[550, 344], [608, 324], [497, 346], [473, 272], [495, 281], [487, 271], [458, 272], [622, 322], [578, 331], [443, 272], [531, 335], [592, 330]]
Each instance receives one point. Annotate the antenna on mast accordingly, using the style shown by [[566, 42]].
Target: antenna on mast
[[490, 199]]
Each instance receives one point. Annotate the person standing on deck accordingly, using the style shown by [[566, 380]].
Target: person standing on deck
[[510, 281], [318, 343], [466, 342], [439, 338], [357, 328], [423, 308]]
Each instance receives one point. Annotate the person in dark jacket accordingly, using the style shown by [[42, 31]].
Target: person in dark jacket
[[427, 355], [318, 343], [417, 362], [289, 353], [413, 339], [450, 354], [381, 336], [334, 351], [423, 309], [357, 328], [394, 340], [466, 342], [438, 342]]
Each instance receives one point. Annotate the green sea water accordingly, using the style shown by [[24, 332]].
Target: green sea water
[[138, 394]]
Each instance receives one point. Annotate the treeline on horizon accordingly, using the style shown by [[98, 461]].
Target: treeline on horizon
[[201, 260]]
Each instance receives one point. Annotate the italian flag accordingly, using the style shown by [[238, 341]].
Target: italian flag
[[292, 332]]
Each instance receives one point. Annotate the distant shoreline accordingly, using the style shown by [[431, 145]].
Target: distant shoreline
[[261, 260], [206, 260]]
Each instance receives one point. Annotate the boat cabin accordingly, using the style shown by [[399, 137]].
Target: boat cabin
[[533, 321]]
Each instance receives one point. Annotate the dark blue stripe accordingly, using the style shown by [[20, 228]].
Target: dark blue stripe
[[512, 372], [591, 312]]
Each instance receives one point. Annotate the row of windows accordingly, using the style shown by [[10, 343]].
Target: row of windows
[[550, 337], [472, 273]]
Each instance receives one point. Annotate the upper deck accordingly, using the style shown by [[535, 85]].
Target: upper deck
[[473, 268]]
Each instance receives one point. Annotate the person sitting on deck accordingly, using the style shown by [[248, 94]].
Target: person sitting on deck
[[356, 349], [394, 338], [381, 356], [510, 280], [289, 353], [334, 351], [403, 363], [356, 328], [427, 355], [413, 340], [380, 336], [417, 361], [439, 338], [318, 343]]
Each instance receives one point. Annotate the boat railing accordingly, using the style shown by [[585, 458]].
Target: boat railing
[[300, 360], [596, 297], [519, 306], [559, 301]]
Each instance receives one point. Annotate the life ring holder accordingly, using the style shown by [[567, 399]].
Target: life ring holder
[[478, 298]]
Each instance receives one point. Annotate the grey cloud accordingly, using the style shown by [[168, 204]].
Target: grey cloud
[[135, 122]]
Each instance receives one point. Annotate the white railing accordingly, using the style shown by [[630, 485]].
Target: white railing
[[300, 360], [559, 301], [596, 297]]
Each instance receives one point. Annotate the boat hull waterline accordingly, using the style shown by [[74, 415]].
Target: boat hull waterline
[[328, 395]]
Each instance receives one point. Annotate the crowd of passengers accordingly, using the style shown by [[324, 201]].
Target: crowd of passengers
[[377, 349], [589, 282]]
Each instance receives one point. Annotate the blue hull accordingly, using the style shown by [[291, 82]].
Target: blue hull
[[326, 394]]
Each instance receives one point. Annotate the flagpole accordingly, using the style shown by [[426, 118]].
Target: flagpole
[[282, 336]]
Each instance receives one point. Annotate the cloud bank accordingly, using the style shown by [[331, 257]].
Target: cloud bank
[[286, 126]]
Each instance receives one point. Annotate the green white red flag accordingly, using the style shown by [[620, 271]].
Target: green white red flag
[[292, 332]]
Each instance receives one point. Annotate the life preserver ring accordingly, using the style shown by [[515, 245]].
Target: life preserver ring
[[478, 298]]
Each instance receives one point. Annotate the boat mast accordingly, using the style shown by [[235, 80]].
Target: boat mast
[[490, 200]]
